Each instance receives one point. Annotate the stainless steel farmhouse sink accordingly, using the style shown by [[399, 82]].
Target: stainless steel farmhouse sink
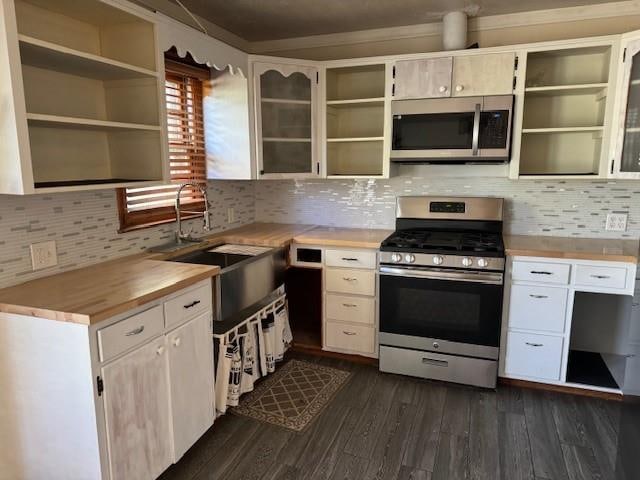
[[248, 274]]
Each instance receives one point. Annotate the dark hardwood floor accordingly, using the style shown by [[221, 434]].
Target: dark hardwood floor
[[383, 426]]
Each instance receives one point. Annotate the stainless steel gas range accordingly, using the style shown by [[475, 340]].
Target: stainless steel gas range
[[441, 285]]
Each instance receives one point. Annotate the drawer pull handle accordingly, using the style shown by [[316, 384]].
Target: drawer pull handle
[[635, 304], [349, 279], [160, 350], [350, 305], [348, 333], [435, 363], [177, 341], [192, 304], [540, 272], [137, 331], [535, 344], [349, 259], [600, 277], [538, 296]]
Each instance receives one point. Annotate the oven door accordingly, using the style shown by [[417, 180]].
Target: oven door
[[449, 311]]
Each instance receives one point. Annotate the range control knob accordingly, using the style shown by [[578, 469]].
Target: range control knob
[[409, 258], [482, 262], [438, 260], [396, 257], [467, 262]]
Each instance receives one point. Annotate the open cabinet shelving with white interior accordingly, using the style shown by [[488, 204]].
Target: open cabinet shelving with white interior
[[355, 121], [89, 112], [565, 112]]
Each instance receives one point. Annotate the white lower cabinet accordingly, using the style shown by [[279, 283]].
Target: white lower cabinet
[[138, 413], [190, 370], [534, 356], [343, 336]]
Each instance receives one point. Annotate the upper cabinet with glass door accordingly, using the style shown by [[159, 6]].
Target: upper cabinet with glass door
[[285, 113], [626, 140]]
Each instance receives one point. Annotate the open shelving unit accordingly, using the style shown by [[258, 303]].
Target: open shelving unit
[[564, 111], [92, 93], [355, 105]]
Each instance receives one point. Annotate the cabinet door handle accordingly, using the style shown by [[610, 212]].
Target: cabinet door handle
[[136, 331], [538, 296], [540, 272], [160, 350], [535, 344], [177, 341], [600, 277], [459, 88], [349, 259], [350, 305], [349, 279], [348, 333], [436, 363], [192, 304]]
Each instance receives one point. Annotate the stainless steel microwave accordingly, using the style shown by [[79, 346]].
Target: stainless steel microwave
[[464, 129]]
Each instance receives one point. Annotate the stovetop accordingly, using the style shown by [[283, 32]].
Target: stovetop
[[485, 244]]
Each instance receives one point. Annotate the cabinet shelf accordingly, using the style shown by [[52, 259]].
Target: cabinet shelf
[[563, 129], [582, 89], [286, 140], [355, 139], [356, 102], [286, 101], [56, 121], [50, 56]]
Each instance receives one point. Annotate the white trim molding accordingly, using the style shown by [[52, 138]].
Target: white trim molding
[[536, 17]]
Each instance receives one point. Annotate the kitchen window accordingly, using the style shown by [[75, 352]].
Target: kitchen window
[[149, 206]]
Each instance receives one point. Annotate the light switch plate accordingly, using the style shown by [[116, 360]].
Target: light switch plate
[[43, 255], [617, 222]]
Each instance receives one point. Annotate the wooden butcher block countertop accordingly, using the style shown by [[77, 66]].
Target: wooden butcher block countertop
[[89, 295], [343, 237], [612, 250]]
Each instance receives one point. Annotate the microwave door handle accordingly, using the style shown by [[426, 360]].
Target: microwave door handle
[[476, 129]]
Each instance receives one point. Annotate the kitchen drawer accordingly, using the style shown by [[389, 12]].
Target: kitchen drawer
[[535, 356], [132, 331], [355, 338], [557, 273], [350, 309], [350, 259], [188, 305], [606, 277], [355, 282], [538, 308]]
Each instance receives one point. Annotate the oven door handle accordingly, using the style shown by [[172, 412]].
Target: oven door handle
[[489, 278]]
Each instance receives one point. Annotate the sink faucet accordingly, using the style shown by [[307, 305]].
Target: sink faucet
[[180, 236]]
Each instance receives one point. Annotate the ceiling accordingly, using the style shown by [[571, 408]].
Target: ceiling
[[258, 20]]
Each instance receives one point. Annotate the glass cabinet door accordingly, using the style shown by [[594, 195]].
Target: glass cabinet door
[[285, 99], [628, 116]]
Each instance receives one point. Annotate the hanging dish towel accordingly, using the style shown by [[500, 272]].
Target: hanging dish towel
[[222, 375], [248, 361], [283, 335], [233, 397], [254, 326], [269, 332]]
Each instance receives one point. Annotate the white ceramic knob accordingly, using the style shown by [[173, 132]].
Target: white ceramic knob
[[160, 350], [459, 88], [442, 89], [177, 341]]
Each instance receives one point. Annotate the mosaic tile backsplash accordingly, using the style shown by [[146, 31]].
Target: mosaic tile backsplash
[[84, 226], [560, 208]]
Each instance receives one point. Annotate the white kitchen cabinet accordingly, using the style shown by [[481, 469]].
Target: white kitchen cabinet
[[138, 413], [96, 60], [190, 370], [427, 78], [478, 75], [626, 129], [459, 76], [535, 356], [286, 120]]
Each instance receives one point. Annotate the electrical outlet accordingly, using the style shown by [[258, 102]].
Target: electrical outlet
[[43, 255], [231, 215], [617, 222]]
